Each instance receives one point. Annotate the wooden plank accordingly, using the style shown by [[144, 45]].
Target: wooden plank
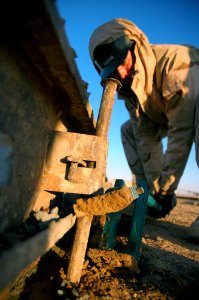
[[21, 255]]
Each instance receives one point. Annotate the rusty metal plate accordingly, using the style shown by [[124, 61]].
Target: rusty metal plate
[[76, 163]]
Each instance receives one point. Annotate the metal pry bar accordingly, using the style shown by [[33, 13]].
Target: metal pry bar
[[83, 224]]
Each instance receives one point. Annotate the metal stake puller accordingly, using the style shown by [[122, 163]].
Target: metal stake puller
[[83, 225]]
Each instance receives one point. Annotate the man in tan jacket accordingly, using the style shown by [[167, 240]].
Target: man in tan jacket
[[160, 87]]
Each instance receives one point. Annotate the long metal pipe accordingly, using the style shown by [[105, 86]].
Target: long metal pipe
[[84, 223]]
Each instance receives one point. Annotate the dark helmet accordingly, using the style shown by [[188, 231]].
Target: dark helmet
[[108, 57]]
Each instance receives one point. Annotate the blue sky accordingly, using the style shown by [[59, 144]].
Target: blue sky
[[170, 22]]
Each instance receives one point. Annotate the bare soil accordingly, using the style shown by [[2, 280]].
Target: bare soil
[[169, 265]]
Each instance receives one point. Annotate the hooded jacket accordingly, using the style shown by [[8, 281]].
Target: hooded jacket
[[167, 92]]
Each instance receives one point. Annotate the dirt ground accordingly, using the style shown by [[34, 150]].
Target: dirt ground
[[169, 265]]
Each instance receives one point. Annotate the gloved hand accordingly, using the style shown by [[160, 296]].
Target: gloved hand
[[167, 202]]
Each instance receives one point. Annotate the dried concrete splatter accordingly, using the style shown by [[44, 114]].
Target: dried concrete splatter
[[101, 204]]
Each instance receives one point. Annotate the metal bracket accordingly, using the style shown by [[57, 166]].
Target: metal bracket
[[76, 162]]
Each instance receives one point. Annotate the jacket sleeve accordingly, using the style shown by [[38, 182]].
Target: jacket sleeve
[[177, 81], [180, 114], [164, 170], [180, 139]]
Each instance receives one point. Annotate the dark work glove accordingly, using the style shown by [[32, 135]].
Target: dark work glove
[[167, 202]]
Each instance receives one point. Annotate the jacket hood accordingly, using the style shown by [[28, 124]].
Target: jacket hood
[[145, 59], [112, 30]]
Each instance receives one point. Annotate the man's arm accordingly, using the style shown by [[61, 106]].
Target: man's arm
[[180, 114]]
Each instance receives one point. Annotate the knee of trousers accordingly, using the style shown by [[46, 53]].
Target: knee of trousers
[[126, 129]]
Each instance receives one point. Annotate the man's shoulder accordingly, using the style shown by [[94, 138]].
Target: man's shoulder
[[163, 52], [170, 48]]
